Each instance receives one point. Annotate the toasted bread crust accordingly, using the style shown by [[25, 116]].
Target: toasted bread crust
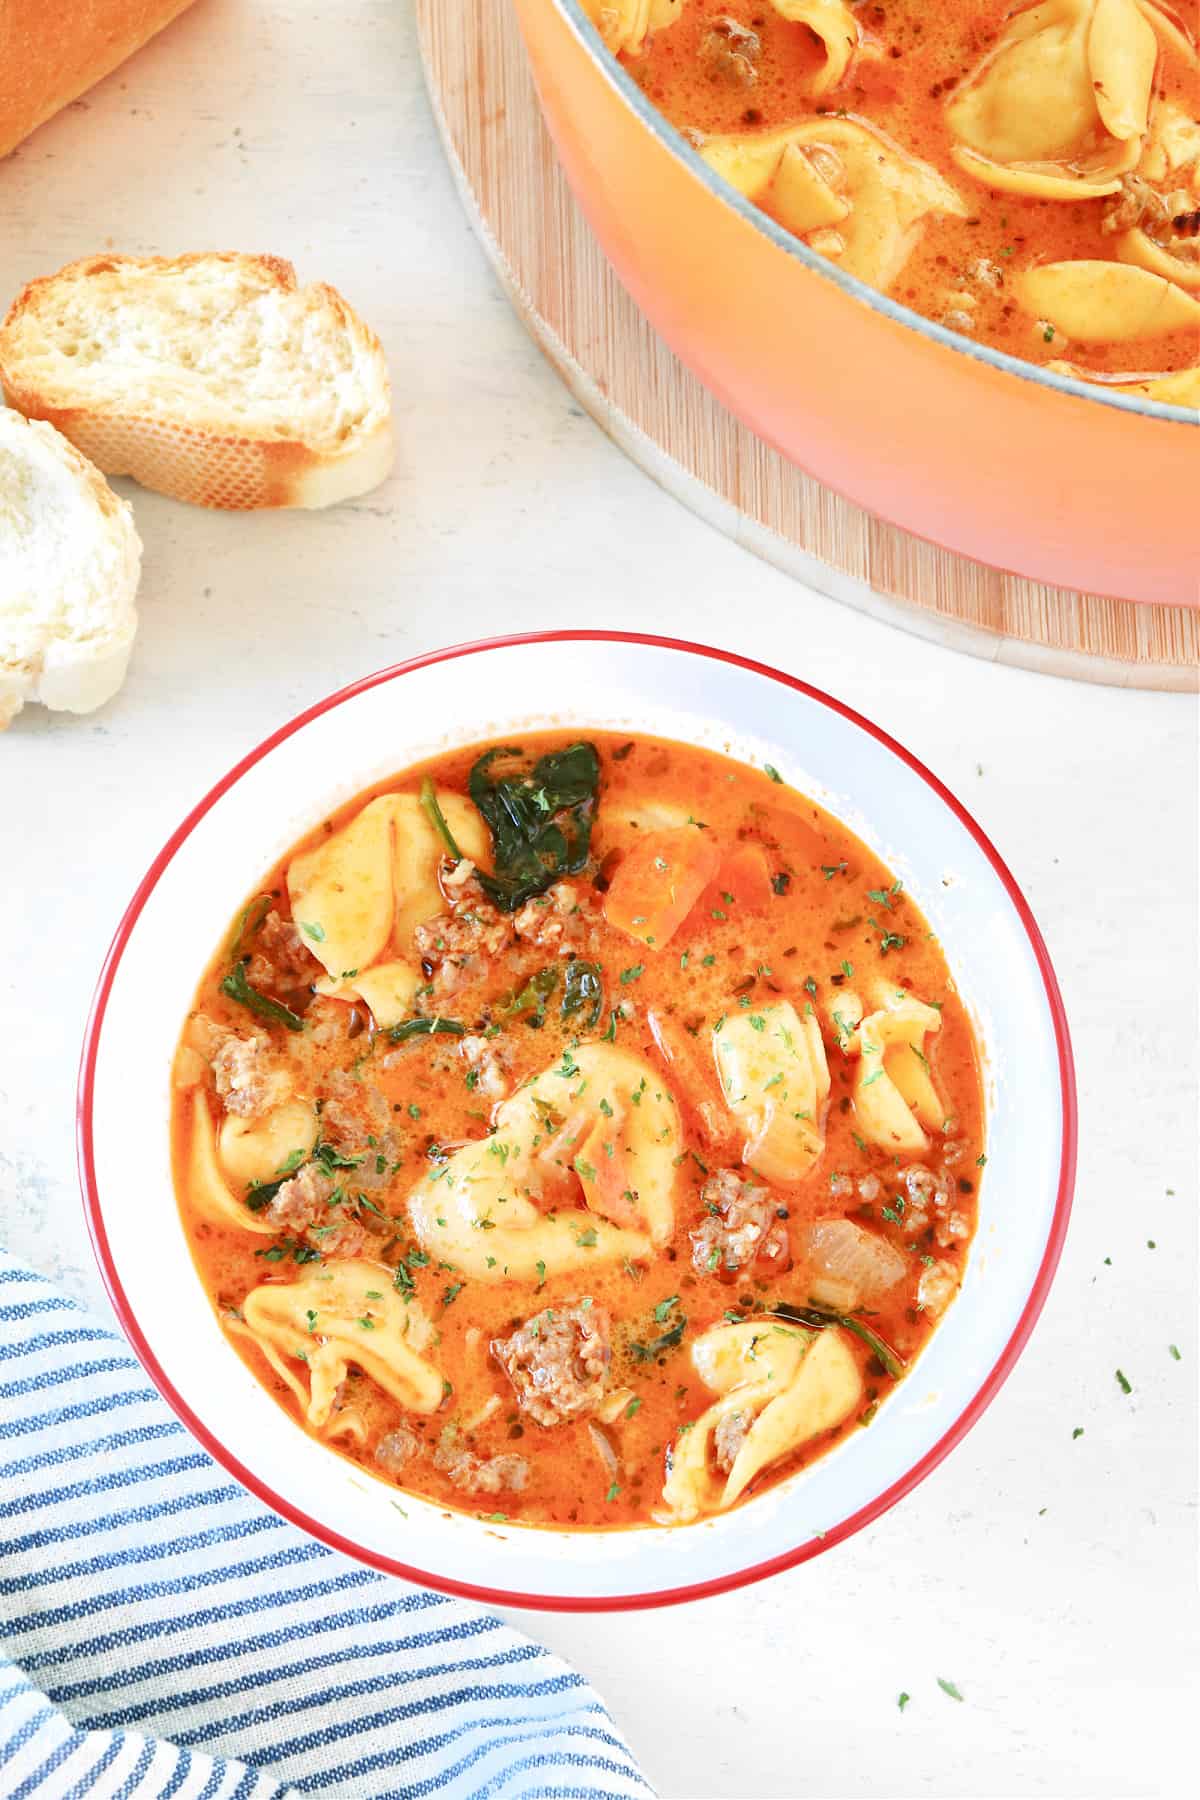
[[50, 54], [240, 468]]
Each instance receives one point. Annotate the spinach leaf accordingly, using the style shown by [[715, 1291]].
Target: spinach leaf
[[236, 987], [437, 818], [250, 921], [263, 1192], [540, 817], [817, 1319], [532, 997], [582, 988], [666, 1340], [411, 1028]]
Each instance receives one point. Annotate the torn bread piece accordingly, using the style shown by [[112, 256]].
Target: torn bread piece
[[70, 559], [213, 378]]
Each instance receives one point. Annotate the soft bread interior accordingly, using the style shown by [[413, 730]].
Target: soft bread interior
[[69, 564], [228, 344]]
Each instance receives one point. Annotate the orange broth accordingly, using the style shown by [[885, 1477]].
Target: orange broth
[[829, 918]]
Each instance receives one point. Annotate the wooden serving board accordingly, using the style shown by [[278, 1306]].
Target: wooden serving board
[[567, 295]]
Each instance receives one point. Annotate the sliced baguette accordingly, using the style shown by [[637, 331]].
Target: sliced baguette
[[212, 378], [69, 565]]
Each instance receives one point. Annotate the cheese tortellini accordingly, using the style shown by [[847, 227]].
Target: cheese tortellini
[[843, 186], [775, 1079], [348, 1312], [626, 24], [894, 1096], [210, 1192], [580, 1170], [256, 1149], [778, 1387], [1097, 302], [370, 884], [1059, 107]]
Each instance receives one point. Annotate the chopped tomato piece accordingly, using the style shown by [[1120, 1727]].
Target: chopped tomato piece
[[601, 1161], [689, 1062], [741, 885], [658, 883], [744, 874]]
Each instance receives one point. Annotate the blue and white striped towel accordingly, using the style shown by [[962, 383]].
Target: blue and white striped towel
[[167, 1635]]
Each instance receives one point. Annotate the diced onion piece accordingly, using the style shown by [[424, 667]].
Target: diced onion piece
[[849, 1253], [1097, 302]]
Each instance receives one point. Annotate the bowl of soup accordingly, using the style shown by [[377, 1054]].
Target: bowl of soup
[[589, 1153], [945, 262]]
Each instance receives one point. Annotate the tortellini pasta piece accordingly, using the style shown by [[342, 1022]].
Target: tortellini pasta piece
[[374, 881], [347, 1312], [253, 1150], [865, 196], [389, 989], [894, 1096], [835, 25], [626, 24], [1059, 107], [207, 1188], [778, 1386], [775, 1079], [600, 1127], [1180, 389], [1098, 302]]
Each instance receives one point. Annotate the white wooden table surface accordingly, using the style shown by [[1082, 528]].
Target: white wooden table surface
[[1052, 1577]]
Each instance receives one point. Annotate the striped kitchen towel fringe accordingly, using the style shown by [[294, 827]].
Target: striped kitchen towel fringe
[[166, 1635]]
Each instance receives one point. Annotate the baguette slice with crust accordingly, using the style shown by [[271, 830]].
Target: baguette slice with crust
[[69, 564], [212, 378]]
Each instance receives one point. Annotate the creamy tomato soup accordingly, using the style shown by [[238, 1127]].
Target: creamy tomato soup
[[585, 1133], [1028, 175]]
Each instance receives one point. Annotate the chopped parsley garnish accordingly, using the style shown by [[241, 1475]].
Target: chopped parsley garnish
[[903, 1700], [450, 1294], [631, 974], [770, 770], [948, 1687], [313, 930], [1123, 1382]]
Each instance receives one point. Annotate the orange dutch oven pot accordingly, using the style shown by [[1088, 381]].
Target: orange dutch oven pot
[[1030, 471]]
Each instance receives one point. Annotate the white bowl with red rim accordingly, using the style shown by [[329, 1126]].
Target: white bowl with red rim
[[486, 691]]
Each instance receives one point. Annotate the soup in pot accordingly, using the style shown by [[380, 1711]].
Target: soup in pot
[[1028, 175], [580, 1133]]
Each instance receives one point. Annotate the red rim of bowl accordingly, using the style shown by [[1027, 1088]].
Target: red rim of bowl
[[501, 1596]]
